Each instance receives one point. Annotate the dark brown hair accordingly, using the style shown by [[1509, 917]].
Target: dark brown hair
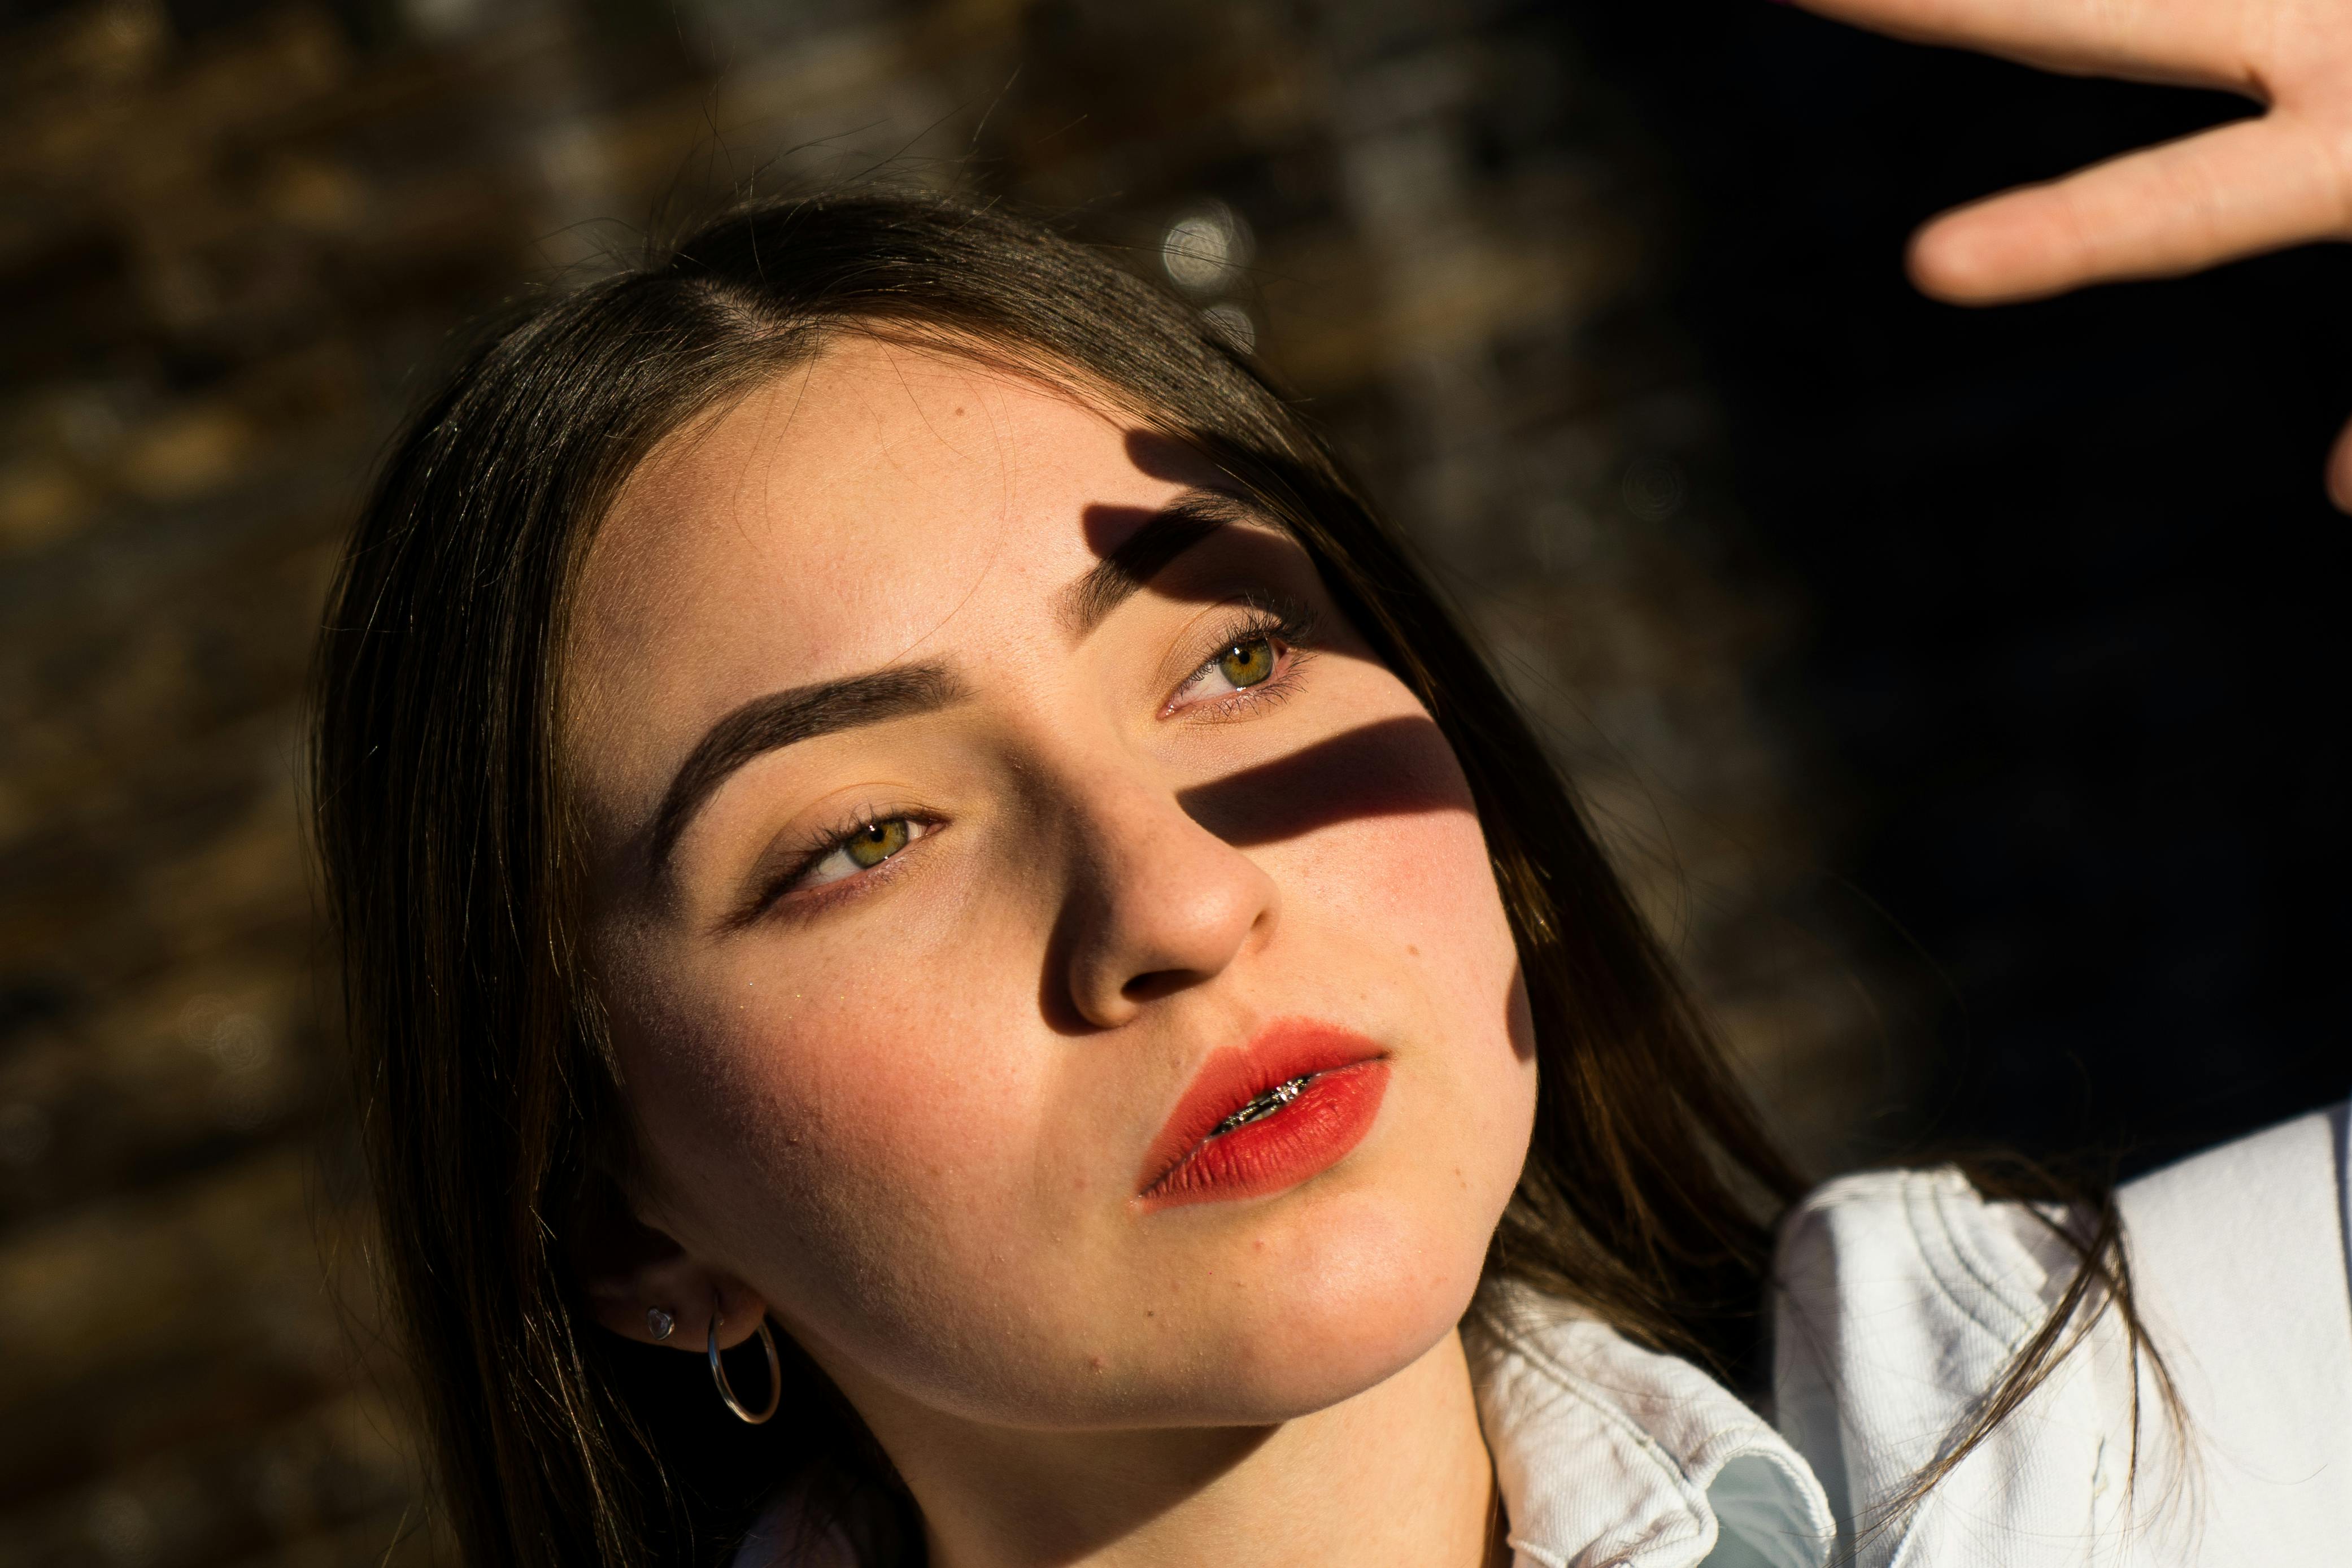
[[491, 1118]]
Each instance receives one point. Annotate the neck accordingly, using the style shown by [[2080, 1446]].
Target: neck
[[1397, 1474]]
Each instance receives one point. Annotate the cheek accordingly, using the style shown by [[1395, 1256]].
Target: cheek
[[1416, 887], [1415, 896], [1405, 909], [837, 1138]]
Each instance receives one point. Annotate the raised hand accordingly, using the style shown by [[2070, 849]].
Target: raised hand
[[2237, 190]]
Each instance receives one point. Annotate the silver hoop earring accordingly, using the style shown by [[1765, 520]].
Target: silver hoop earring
[[775, 1375], [658, 1322]]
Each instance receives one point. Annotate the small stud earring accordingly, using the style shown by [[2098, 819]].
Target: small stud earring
[[660, 1323]]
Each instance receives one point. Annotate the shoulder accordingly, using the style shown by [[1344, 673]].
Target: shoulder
[[2259, 1222], [1926, 1247], [1899, 1297], [1902, 1298], [2276, 1199], [2240, 1253], [2239, 1272]]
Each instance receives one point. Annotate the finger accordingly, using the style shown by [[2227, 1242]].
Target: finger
[[2249, 186], [2203, 43], [2340, 470]]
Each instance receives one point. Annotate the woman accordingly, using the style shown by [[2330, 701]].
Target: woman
[[888, 803]]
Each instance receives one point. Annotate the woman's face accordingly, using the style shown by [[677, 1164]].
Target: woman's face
[[980, 814]]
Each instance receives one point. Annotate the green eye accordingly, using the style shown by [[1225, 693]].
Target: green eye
[[1248, 663], [877, 841], [862, 850]]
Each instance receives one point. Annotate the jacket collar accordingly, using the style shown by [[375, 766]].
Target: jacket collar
[[1608, 1455]]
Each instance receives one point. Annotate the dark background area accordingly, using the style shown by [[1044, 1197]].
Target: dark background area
[[2076, 630], [1956, 690]]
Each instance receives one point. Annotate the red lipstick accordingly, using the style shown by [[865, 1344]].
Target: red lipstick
[[1265, 1117]]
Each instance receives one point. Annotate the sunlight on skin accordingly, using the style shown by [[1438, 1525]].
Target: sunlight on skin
[[903, 1112], [2238, 190]]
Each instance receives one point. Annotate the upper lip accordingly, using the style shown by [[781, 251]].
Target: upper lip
[[1230, 1079]]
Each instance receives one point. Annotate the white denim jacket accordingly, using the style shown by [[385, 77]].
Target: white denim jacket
[[1900, 1298]]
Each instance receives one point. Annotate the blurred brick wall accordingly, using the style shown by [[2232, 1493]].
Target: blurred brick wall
[[230, 235]]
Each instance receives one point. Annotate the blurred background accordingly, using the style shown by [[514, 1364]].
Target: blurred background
[[1961, 691]]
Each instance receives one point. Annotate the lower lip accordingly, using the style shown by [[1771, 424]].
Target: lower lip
[[1304, 1139]]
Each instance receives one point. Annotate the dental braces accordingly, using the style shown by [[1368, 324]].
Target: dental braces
[[1263, 1106]]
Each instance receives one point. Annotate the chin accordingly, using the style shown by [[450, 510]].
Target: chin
[[1319, 1303], [1370, 1298]]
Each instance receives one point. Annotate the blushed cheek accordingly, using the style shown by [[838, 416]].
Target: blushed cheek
[[1416, 887], [840, 1147], [1433, 863], [1416, 899]]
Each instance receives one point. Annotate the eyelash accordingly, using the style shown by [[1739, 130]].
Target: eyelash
[[1278, 618], [1275, 618], [818, 848]]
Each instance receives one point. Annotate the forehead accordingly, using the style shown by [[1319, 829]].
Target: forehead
[[874, 504]]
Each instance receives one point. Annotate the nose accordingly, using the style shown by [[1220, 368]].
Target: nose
[[1156, 903]]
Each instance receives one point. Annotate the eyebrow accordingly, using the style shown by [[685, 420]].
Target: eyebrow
[[1143, 555], [786, 718]]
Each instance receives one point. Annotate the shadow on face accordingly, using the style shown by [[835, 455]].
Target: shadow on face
[[1393, 767], [1390, 768]]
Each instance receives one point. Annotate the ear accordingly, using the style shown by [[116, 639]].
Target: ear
[[628, 1270]]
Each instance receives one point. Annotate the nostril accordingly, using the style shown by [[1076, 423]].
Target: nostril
[[1156, 983]]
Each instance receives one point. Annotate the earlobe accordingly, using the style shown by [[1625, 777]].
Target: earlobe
[[672, 1301], [642, 1285]]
